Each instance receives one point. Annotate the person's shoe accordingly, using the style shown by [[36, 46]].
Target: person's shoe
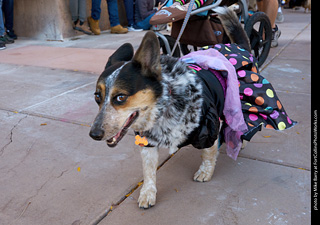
[[94, 25], [11, 34], [131, 28], [118, 30], [6, 39], [80, 26], [2, 45], [280, 17], [275, 36]]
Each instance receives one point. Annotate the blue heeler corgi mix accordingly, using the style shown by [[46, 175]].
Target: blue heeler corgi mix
[[169, 103]]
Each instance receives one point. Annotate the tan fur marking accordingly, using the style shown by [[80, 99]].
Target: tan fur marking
[[141, 99], [101, 87], [209, 158]]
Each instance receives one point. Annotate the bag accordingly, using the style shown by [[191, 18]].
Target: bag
[[199, 32], [167, 15]]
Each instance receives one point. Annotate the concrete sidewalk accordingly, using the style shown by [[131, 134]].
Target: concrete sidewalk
[[52, 172]]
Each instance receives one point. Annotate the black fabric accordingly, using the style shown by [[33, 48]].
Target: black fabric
[[207, 132]]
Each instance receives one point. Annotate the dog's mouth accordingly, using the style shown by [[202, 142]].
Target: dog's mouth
[[112, 142]]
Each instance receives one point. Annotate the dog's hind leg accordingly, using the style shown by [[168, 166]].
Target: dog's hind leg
[[209, 157], [148, 191]]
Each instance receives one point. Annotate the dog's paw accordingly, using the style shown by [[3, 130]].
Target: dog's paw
[[147, 197], [203, 175]]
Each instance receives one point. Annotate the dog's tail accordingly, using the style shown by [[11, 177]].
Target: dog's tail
[[232, 27]]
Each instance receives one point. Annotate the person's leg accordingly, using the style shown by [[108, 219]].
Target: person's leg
[[7, 7], [128, 4], [113, 12], [96, 9], [270, 7], [82, 4], [1, 20], [116, 28], [93, 20], [82, 26], [144, 24], [73, 6]]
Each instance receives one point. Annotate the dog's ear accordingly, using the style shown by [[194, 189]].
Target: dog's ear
[[148, 56], [124, 53]]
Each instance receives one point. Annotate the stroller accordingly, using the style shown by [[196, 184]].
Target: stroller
[[203, 29]]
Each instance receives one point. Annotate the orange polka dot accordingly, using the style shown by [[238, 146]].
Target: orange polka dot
[[251, 125], [269, 126], [253, 109], [254, 69], [259, 100], [244, 63], [254, 77], [279, 104]]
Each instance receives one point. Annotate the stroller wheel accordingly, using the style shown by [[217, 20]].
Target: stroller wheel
[[171, 42], [259, 31]]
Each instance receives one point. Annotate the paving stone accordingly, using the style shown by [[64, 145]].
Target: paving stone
[[241, 192]]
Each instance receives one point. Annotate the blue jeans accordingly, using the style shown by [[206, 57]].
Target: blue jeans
[[128, 4], [112, 10], [144, 24], [1, 20], [7, 7]]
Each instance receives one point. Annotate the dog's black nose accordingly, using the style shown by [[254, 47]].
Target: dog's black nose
[[96, 134]]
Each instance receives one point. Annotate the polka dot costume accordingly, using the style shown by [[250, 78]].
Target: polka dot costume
[[260, 104]]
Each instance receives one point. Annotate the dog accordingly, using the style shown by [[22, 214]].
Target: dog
[[306, 4], [162, 100]]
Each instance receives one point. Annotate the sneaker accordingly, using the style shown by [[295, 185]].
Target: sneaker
[[11, 34], [80, 26], [6, 39], [118, 30], [280, 17], [275, 36], [94, 25], [131, 28], [2, 45]]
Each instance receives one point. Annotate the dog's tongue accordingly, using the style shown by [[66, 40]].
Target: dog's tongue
[[112, 142]]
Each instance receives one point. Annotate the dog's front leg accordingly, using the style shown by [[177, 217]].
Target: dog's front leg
[[148, 191], [209, 157]]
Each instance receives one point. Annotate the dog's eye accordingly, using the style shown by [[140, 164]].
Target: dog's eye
[[120, 98], [97, 97]]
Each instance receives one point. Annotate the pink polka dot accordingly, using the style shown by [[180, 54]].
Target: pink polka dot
[[253, 117], [264, 116], [289, 121], [241, 73], [248, 91], [233, 61]]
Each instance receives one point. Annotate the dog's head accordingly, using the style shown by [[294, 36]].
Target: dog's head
[[127, 91]]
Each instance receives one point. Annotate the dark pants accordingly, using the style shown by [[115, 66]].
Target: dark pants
[[7, 7], [128, 4], [112, 10]]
